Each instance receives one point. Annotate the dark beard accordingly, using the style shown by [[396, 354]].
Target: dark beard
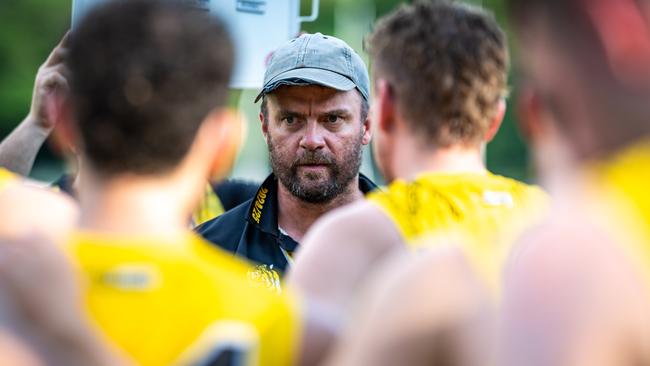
[[340, 174]]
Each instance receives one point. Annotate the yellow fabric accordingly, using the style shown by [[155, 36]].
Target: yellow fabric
[[483, 213], [621, 184], [167, 302], [480, 204], [209, 208], [6, 177]]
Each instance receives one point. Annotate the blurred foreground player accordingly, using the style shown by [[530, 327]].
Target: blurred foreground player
[[148, 82], [440, 73], [18, 150], [578, 292]]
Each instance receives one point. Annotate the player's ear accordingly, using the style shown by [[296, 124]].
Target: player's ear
[[366, 127], [495, 124], [384, 111], [530, 111], [65, 135], [264, 120], [221, 134]]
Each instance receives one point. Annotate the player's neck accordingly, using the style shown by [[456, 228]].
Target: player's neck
[[136, 205], [411, 160], [296, 216]]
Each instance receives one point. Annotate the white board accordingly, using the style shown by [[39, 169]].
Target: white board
[[257, 28]]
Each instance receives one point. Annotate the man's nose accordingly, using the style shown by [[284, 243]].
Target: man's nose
[[313, 138]]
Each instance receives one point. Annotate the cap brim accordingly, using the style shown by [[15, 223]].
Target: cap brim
[[309, 76]]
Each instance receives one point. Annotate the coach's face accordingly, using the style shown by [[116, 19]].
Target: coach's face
[[315, 137]]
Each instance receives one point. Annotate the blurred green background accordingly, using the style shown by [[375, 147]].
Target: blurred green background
[[31, 28]]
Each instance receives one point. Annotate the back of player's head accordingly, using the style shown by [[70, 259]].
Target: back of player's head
[[447, 65], [605, 46], [144, 75]]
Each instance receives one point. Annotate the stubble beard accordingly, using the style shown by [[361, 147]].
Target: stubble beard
[[314, 187]]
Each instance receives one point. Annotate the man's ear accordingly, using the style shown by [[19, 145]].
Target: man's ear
[[265, 127], [265, 121], [495, 124], [532, 116], [366, 128], [65, 135], [221, 136], [384, 113]]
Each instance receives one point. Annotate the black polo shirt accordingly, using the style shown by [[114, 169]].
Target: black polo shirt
[[250, 230]]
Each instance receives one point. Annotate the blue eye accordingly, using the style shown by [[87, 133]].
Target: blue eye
[[332, 118]]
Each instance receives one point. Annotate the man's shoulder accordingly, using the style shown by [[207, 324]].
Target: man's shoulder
[[439, 185], [229, 224], [517, 186], [528, 199]]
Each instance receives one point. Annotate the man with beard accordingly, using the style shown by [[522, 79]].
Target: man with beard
[[440, 77], [314, 119]]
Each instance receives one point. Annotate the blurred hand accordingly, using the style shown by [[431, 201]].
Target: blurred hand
[[50, 88]]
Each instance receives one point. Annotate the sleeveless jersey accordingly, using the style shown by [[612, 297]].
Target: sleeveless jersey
[[183, 303], [483, 213], [480, 204]]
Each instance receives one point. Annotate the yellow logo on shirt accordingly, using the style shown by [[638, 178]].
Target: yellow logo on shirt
[[265, 276], [259, 204]]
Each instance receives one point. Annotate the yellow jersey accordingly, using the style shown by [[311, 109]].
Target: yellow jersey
[[620, 186], [483, 213], [209, 207], [479, 204], [6, 178], [167, 302]]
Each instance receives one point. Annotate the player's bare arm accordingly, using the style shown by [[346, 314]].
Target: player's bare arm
[[19, 149]]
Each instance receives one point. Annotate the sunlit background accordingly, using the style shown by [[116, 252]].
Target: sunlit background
[[31, 28]]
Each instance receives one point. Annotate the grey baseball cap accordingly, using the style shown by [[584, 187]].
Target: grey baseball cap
[[316, 59]]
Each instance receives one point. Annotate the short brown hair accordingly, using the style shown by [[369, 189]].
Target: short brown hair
[[144, 76], [447, 64]]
